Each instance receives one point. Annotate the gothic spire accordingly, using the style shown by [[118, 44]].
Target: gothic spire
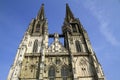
[[41, 14], [69, 15]]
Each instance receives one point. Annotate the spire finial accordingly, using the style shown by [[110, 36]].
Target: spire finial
[[42, 4], [41, 14], [69, 14]]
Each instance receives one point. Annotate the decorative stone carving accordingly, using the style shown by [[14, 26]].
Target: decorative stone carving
[[82, 62], [58, 61]]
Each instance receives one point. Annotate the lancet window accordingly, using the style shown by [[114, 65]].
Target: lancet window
[[51, 73], [78, 47], [35, 46]]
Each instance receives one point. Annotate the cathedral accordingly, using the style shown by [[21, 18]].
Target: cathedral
[[72, 59]]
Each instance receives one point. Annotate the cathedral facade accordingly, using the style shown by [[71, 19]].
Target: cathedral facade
[[74, 59]]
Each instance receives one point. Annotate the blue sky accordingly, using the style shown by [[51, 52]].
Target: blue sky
[[101, 19]]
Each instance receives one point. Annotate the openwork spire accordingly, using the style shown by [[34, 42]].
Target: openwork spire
[[69, 15], [41, 14]]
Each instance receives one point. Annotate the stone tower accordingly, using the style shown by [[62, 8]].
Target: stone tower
[[73, 60]]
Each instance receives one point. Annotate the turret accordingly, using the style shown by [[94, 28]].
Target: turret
[[74, 33], [41, 14], [38, 26]]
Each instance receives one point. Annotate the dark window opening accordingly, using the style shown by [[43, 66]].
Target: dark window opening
[[43, 29], [51, 73], [38, 28], [74, 27], [35, 46], [78, 48], [64, 73]]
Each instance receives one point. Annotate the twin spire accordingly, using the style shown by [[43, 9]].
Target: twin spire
[[68, 17], [41, 14]]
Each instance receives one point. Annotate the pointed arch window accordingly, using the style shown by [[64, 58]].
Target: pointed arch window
[[64, 73], [37, 28], [74, 28], [43, 30], [78, 47], [51, 73], [35, 46]]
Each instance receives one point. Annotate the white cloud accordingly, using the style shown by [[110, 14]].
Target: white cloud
[[107, 34], [104, 21]]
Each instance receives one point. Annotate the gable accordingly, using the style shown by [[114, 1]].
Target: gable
[[57, 47]]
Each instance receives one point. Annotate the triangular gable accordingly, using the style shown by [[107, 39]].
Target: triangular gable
[[57, 47]]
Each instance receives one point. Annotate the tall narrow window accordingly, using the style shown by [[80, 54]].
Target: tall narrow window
[[64, 73], [78, 48], [74, 27], [51, 73], [35, 46], [37, 28], [43, 30]]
